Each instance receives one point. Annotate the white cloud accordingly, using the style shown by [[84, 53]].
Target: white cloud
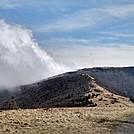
[[88, 18], [11, 4], [94, 55], [118, 34], [78, 20], [22, 61], [52, 4], [8, 4], [120, 10]]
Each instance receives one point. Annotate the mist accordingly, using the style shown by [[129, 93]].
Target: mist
[[22, 61]]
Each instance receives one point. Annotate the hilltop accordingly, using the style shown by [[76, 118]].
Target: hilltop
[[87, 87]]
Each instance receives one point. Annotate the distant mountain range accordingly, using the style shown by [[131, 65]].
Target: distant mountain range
[[86, 87]]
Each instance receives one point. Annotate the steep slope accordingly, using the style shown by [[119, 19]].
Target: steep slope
[[68, 90]]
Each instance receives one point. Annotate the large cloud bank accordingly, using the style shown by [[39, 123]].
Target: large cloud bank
[[22, 61]]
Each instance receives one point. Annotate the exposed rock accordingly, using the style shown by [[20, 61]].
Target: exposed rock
[[97, 90]]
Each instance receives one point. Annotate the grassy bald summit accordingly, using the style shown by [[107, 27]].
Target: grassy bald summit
[[75, 89]]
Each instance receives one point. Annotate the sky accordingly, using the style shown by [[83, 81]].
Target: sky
[[78, 33]]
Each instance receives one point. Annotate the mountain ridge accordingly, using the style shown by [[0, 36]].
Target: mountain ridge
[[85, 87]]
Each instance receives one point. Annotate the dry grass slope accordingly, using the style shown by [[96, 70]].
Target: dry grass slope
[[97, 120]]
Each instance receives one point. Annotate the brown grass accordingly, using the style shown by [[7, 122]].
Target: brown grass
[[97, 120]]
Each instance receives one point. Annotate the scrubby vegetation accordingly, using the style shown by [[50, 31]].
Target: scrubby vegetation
[[117, 80], [74, 89]]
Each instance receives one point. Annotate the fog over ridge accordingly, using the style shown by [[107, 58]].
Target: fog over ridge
[[22, 61]]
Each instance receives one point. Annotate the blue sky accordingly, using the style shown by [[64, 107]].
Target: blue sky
[[83, 33]]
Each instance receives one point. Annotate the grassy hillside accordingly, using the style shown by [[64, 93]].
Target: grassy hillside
[[88, 95], [97, 120], [69, 90]]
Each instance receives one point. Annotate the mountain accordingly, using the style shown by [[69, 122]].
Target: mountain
[[86, 87], [117, 80]]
